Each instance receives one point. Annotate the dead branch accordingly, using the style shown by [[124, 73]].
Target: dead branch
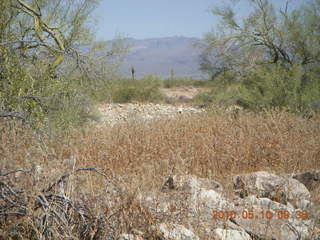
[[67, 175], [48, 212], [12, 214], [15, 171], [17, 115]]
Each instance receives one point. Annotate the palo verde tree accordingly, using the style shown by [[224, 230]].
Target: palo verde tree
[[47, 50], [53, 28], [265, 48]]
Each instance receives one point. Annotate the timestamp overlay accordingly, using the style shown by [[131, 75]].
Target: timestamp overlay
[[259, 214]]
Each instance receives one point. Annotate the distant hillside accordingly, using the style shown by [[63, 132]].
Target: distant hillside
[[161, 55]]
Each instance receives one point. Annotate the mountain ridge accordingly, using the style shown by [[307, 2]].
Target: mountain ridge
[[162, 56]]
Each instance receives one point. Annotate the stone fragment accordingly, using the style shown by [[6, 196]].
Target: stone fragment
[[171, 231]]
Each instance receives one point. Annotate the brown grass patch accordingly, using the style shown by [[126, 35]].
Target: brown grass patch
[[213, 146], [139, 155]]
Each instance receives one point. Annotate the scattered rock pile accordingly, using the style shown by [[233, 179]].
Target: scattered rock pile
[[265, 206], [112, 114]]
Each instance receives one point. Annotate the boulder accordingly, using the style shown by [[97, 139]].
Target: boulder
[[203, 195], [282, 189], [188, 199], [204, 202], [310, 179], [172, 231]]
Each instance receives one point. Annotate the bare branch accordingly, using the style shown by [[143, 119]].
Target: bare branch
[[18, 41], [40, 27], [17, 115], [12, 214], [67, 175], [29, 8], [14, 171]]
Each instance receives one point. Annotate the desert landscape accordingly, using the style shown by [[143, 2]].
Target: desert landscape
[[170, 138]]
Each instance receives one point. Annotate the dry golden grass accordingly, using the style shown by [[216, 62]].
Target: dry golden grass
[[209, 145], [140, 155], [214, 146]]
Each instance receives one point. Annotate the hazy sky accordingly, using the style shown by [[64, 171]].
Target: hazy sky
[[161, 18]]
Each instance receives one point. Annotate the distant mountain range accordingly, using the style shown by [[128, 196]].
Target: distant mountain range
[[160, 56]]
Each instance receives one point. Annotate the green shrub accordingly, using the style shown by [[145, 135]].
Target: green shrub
[[294, 88], [276, 86], [124, 94], [219, 93], [145, 89], [177, 82], [17, 90], [68, 109], [310, 98], [43, 102]]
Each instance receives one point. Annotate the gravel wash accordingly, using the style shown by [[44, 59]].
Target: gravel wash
[[114, 113]]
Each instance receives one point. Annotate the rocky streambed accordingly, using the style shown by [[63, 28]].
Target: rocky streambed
[[115, 113]]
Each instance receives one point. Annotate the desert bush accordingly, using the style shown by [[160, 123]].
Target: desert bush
[[39, 100], [51, 85], [276, 86], [177, 82], [219, 92], [19, 90], [268, 86], [272, 53], [146, 89]]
